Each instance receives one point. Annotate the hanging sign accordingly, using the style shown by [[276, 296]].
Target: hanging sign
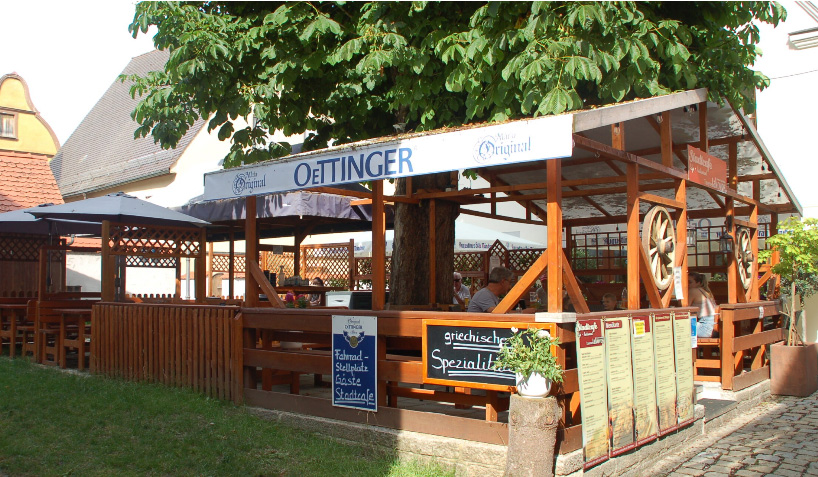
[[644, 380], [685, 389], [354, 362], [620, 384], [547, 137], [665, 369], [593, 388], [707, 170]]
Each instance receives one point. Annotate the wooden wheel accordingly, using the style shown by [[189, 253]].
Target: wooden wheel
[[744, 257], [659, 240]]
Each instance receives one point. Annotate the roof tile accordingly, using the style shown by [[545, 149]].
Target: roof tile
[[26, 181]]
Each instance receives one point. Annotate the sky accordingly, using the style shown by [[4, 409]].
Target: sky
[[68, 52]]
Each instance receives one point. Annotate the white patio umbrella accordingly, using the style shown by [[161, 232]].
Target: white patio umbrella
[[467, 238]]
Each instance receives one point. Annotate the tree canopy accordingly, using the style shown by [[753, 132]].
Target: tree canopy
[[350, 71]]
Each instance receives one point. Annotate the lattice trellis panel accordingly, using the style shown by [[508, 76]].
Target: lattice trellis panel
[[151, 240], [274, 261], [221, 263], [499, 250], [21, 248], [150, 262], [519, 261], [329, 263], [469, 262], [362, 280]]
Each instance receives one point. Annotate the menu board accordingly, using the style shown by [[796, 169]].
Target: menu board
[[684, 369], [463, 352], [665, 367], [620, 384], [593, 389], [644, 380]]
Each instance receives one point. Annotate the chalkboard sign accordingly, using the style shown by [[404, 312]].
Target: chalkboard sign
[[461, 353]]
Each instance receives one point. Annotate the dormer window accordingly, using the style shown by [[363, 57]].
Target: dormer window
[[8, 125]]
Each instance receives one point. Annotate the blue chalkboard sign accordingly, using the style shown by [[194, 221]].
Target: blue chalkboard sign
[[354, 362]]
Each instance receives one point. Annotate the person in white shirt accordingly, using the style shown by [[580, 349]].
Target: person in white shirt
[[461, 292]]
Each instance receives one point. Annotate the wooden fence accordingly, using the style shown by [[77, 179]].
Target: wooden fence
[[739, 356], [187, 346]]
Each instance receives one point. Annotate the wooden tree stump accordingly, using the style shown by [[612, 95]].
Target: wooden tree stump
[[532, 436]]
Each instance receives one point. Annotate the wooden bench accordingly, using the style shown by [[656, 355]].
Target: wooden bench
[[57, 331], [12, 315]]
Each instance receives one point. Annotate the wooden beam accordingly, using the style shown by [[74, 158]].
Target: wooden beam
[[646, 274], [523, 283], [572, 287], [682, 146], [107, 278], [254, 270], [231, 263], [681, 237], [633, 255], [624, 156], [661, 200], [703, 139], [200, 269], [666, 139], [506, 218]]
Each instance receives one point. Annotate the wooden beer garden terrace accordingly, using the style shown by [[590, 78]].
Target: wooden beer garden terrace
[[627, 165]]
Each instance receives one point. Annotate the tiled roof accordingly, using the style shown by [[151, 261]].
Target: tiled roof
[[102, 152], [26, 181]]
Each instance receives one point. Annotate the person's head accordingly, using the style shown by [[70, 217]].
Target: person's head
[[609, 302], [458, 279], [317, 282], [697, 280], [502, 276]]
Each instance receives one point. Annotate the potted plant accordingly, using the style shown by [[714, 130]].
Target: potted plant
[[528, 354], [794, 364]]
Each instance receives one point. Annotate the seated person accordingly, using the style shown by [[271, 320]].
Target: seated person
[[609, 302], [315, 298], [461, 292], [487, 298]]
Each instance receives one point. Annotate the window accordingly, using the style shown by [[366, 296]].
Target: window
[[8, 125]]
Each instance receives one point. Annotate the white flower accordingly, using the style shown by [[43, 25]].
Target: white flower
[[542, 334], [513, 329]]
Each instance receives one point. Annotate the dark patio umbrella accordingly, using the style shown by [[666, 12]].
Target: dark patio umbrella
[[119, 207], [22, 222]]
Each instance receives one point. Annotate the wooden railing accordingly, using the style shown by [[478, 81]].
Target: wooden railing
[[188, 346], [739, 356], [267, 364]]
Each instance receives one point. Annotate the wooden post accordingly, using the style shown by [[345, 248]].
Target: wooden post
[[42, 283], [378, 248], [200, 269], [209, 269], [704, 142], [251, 298], [107, 275], [178, 289], [727, 333], [432, 252], [554, 223], [681, 238], [298, 237], [231, 266], [733, 281], [352, 264]]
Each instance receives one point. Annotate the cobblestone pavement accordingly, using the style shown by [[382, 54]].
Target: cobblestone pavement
[[779, 437]]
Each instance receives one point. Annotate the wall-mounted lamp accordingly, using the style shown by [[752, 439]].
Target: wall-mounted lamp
[[691, 237], [726, 243]]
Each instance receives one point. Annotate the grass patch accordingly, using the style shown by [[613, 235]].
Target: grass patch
[[54, 423]]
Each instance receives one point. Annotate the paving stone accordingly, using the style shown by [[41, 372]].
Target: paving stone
[[761, 468], [787, 473], [786, 455], [747, 473], [768, 457], [687, 471], [789, 466]]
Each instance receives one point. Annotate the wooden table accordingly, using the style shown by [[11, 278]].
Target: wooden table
[[70, 317], [12, 315], [308, 290]]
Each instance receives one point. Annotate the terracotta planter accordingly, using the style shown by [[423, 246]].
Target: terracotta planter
[[794, 369]]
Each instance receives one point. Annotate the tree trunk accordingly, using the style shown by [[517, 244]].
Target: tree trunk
[[409, 283]]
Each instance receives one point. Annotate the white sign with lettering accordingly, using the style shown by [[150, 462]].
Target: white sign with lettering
[[520, 141]]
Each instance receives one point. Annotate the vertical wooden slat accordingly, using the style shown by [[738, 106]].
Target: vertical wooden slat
[[727, 354], [177, 326], [200, 268]]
